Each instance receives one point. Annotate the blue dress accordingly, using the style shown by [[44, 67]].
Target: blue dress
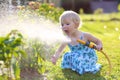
[[80, 59]]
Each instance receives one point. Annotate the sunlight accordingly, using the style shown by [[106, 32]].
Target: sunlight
[[105, 26], [117, 29]]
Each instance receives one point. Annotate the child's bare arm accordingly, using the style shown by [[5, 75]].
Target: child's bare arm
[[95, 40], [57, 53]]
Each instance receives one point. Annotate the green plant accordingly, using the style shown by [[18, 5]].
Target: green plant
[[81, 11], [98, 11], [11, 51], [119, 7], [38, 54], [50, 11]]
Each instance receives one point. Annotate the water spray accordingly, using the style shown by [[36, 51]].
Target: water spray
[[94, 47]]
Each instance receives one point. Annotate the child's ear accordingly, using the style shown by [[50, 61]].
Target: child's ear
[[77, 24]]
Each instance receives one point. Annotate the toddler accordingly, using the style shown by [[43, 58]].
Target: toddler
[[80, 58]]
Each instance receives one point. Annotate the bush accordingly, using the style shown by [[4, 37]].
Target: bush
[[49, 11], [119, 7], [38, 53], [11, 51], [98, 11]]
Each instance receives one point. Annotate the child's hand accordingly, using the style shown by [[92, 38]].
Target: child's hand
[[54, 59], [99, 47]]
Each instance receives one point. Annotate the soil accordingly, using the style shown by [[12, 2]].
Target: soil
[[30, 74]]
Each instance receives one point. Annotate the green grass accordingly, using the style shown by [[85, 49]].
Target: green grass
[[109, 32], [101, 17]]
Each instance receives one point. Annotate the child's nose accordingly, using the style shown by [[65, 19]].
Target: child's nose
[[64, 26]]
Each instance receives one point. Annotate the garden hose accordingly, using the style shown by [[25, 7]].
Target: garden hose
[[94, 47]]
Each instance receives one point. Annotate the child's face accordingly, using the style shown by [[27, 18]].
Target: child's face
[[68, 26]]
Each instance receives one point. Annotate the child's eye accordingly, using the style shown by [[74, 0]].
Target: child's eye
[[67, 24]]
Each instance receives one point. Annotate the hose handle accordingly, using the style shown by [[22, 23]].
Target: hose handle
[[86, 44]]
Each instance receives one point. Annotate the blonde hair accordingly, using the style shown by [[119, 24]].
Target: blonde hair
[[70, 14]]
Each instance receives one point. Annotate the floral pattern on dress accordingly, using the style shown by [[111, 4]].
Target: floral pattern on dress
[[81, 59]]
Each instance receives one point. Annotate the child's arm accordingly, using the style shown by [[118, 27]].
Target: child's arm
[[57, 53], [95, 40]]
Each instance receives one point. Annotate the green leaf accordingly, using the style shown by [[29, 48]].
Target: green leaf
[[2, 57], [15, 54], [23, 53], [17, 70]]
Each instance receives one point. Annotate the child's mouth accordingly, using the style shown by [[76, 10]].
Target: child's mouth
[[66, 31]]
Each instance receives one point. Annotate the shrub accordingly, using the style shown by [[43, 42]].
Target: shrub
[[49, 11], [119, 7], [11, 51], [98, 11], [38, 53], [81, 11]]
